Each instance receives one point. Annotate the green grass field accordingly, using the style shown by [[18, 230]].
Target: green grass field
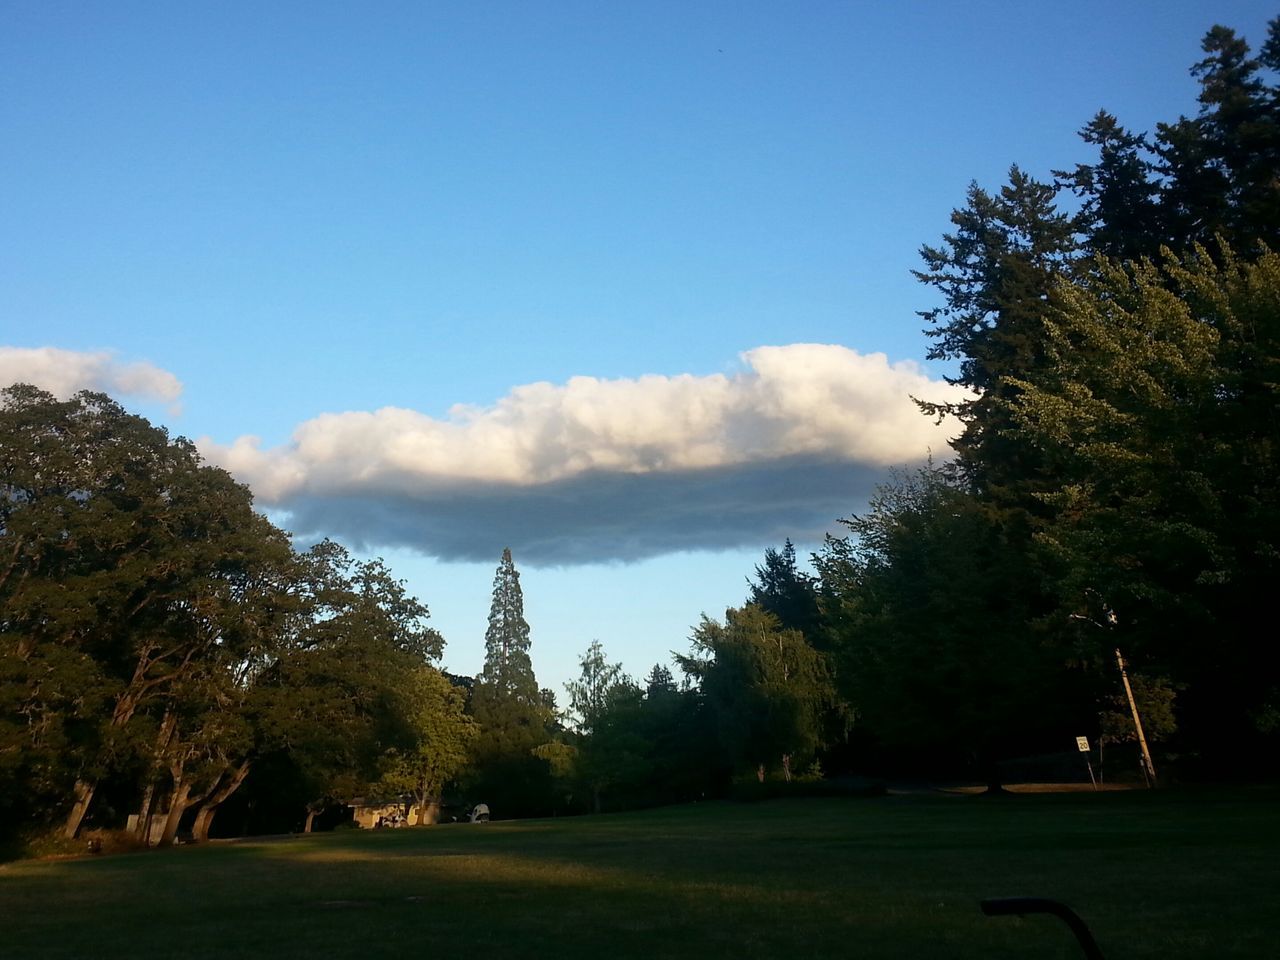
[[1155, 875]]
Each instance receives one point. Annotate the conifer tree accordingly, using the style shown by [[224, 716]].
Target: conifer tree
[[993, 274], [1199, 178], [659, 683], [1220, 166], [509, 708], [507, 667], [784, 590], [1120, 211]]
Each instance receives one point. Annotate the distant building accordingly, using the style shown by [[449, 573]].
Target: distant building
[[368, 812]]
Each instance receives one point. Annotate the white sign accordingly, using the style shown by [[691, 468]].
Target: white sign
[[1082, 744]]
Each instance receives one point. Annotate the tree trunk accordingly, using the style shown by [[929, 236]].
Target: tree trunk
[[177, 807], [83, 791], [786, 767], [311, 815], [204, 820], [204, 817], [165, 735], [143, 829], [421, 790], [83, 796], [760, 773]]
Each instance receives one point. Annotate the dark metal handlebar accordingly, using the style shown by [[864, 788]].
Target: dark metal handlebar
[[1021, 906]]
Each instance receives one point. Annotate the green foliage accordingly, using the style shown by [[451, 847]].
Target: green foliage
[[1199, 178], [589, 696], [1006, 249], [769, 689], [1118, 454], [994, 272], [442, 731], [611, 748], [560, 757], [506, 701], [938, 650], [134, 577], [782, 589], [1120, 212], [338, 696], [1158, 415], [636, 746], [659, 683], [1155, 698]]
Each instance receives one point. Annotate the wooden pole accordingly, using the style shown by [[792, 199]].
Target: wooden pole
[[1148, 768]]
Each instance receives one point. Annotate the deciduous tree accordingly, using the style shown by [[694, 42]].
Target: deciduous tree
[[129, 570], [771, 691], [442, 734]]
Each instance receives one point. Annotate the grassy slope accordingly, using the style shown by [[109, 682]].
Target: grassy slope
[[1155, 876]]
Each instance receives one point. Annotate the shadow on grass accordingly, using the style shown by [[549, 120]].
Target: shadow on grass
[[1155, 877]]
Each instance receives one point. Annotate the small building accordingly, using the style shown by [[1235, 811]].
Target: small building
[[368, 812]]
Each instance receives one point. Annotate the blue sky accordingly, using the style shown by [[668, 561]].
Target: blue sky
[[308, 209]]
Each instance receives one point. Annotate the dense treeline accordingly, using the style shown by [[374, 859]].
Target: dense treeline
[[165, 652], [1116, 477], [1115, 485]]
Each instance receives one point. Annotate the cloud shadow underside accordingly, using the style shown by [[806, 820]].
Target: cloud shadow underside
[[601, 517]]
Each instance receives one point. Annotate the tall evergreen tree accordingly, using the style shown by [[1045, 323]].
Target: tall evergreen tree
[[1200, 177], [507, 667], [1120, 212], [994, 273], [1220, 166], [509, 708]]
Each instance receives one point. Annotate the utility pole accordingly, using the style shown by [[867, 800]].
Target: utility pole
[[1148, 768]]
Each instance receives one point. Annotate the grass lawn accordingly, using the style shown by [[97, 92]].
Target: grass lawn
[[1155, 875]]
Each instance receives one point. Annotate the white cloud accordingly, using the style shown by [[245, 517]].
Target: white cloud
[[608, 469], [803, 399], [63, 372]]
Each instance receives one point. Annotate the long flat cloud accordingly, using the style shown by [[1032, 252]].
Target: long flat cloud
[[594, 470], [63, 372]]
